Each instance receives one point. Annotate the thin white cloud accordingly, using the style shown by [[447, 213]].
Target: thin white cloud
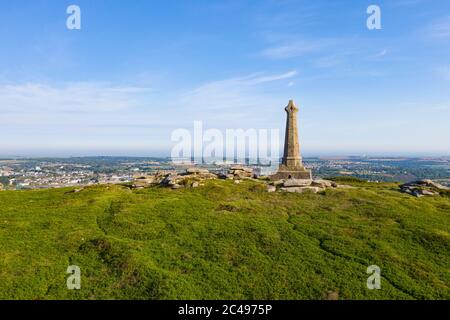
[[380, 54], [439, 29], [295, 48], [70, 98], [240, 93], [377, 56], [78, 116], [276, 77], [327, 62], [83, 105]]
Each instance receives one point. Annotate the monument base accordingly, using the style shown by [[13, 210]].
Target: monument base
[[285, 173]]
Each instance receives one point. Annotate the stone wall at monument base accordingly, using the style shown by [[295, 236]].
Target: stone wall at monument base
[[285, 173]]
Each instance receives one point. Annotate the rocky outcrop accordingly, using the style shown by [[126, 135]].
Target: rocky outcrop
[[324, 183], [303, 185], [144, 181], [425, 183], [240, 172], [297, 183], [302, 189], [423, 188], [195, 170], [191, 178], [194, 178], [226, 176]]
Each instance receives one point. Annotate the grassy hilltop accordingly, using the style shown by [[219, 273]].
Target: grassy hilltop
[[223, 241]]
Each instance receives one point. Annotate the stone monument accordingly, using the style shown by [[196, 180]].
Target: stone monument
[[291, 166]]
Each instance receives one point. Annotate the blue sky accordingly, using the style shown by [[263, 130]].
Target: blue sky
[[137, 70]]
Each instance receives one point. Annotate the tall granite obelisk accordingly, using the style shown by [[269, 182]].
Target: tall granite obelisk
[[291, 166]]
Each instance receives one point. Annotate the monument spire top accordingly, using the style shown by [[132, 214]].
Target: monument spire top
[[291, 107]]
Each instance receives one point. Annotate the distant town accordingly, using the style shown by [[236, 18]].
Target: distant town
[[39, 173]]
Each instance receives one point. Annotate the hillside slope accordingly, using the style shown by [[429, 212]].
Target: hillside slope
[[223, 241]]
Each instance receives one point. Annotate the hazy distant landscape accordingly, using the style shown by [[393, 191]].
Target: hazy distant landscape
[[34, 173]]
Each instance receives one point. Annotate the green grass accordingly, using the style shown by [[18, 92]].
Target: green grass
[[223, 241]]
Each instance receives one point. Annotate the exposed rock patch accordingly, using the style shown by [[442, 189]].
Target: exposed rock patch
[[191, 178], [194, 177], [324, 183], [196, 171], [297, 183], [240, 172], [423, 188], [303, 185], [144, 181], [302, 189]]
